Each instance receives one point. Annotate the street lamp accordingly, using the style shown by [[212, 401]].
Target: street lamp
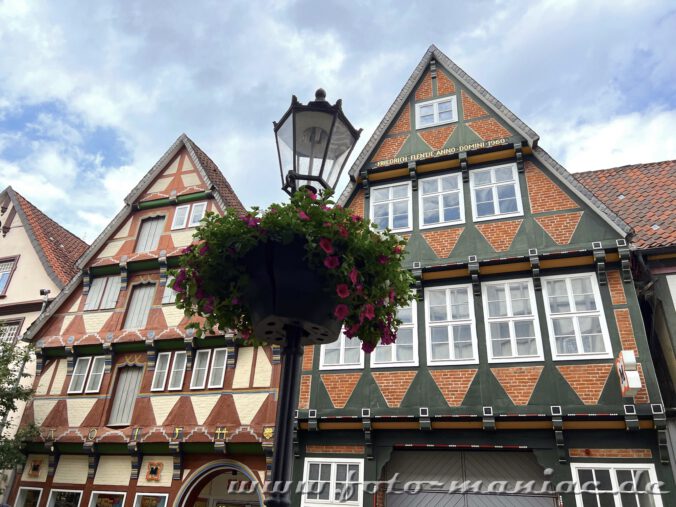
[[314, 142]]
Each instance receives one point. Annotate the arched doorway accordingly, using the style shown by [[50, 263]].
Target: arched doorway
[[209, 486]]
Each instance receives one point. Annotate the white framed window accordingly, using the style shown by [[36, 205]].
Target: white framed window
[[28, 497], [169, 294], [436, 112], [7, 267], [332, 481], [151, 500], [512, 324], [616, 485], [139, 306], [188, 215], [197, 213], [177, 371], [343, 354], [180, 217], [575, 318], [9, 330], [495, 192], [390, 206], [103, 293], [404, 351], [200, 369], [441, 201], [450, 325], [64, 498], [87, 374], [161, 371], [107, 498], [218, 365], [149, 234]]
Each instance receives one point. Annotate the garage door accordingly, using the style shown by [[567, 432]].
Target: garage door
[[489, 476]]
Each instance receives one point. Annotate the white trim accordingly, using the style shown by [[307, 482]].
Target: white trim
[[166, 372], [51, 493], [210, 385], [173, 371], [498, 215], [580, 356], [85, 375], [539, 356], [341, 366], [396, 364], [332, 480], [193, 385], [93, 493], [191, 221], [22, 488], [91, 371], [471, 321], [182, 224], [146, 493], [453, 99], [389, 201], [439, 194], [649, 467]]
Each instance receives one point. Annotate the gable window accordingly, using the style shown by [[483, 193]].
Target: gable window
[[9, 330], [163, 371], [87, 375], [451, 336], [333, 481], [139, 306], [6, 270], [344, 353], [441, 201], [391, 206], [188, 215], [149, 234], [126, 391], [616, 485], [103, 293], [577, 325], [404, 351], [64, 498], [169, 294], [436, 112], [512, 326], [495, 192]]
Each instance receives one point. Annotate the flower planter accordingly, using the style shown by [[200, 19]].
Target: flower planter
[[284, 291]]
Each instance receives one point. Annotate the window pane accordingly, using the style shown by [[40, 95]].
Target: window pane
[[426, 110], [199, 373], [449, 183], [180, 217], [583, 294], [405, 315], [177, 371], [451, 204], [462, 342], [507, 199], [79, 374], [380, 194], [497, 301], [436, 299], [439, 340], [400, 215], [383, 353], [218, 368], [503, 174], [445, 115], [198, 210], [459, 304], [161, 368], [431, 210], [352, 356], [429, 186], [96, 375], [482, 177], [445, 106], [520, 296], [399, 191]]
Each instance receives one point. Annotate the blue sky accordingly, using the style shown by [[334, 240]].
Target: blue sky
[[93, 93]]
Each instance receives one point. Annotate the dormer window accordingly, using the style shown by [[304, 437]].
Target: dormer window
[[436, 112], [188, 215]]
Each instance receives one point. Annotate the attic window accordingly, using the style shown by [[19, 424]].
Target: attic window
[[436, 112]]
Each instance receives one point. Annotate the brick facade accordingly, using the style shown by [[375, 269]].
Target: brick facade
[[436, 138], [587, 380], [403, 123], [470, 109], [543, 194], [642, 394], [445, 85], [611, 453], [393, 385], [626, 329], [560, 227], [424, 90], [500, 235], [357, 206], [454, 384], [335, 449], [390, 147], [518, 382], [489, 129], [340, 387], [308, 357], [443, 242], [616, 287]]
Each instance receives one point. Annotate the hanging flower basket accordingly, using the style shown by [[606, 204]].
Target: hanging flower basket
[[308, 263]]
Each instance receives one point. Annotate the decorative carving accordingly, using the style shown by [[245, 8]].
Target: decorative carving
[[519, 157], [413, 175], [124, 279], [473, 268], [600, 261], [154, 471]]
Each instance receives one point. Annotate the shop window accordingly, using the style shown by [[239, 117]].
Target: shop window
[[28, 497], [64, 498], [107, 499]]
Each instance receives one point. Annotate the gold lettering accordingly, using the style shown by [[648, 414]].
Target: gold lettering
[[178, 432], [135, 433], [221, 433]]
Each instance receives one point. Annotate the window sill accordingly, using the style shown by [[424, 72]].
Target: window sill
[[432, 125], [342, 367], [448, 362], [441, 225], [530, 359], [408, 364], [498, 217], [581, 357]]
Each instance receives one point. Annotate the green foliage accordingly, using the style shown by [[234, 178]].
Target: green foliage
[[360, 265], [12, 360]]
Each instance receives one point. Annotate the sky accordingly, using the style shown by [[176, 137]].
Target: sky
[[93, 93]]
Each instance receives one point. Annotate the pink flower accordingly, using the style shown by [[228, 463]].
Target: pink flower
[[397, 249], [367, 347], [352, 331], [342, 290], [360, 289], [246, 333], [250, 220], [354, 274], [199, 293], [204, 249], [392, 295], [383, 259], [303, 216], [187, 249], [332, 262], [208, 306], [343, 231], [369, 311], [341, 311], [325, 207], [356, 218], [326, 245], [235, 300], [312, 195]]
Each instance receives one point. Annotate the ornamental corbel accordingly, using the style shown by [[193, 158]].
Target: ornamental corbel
[[518, 152], [557, 426], [189, 344], [488, 419], [413, 175], [631, 418], [365, 183], [366, 427], [123, 273], [86, 281], [625, 262], [151, 353], [534, 259], [416, 271], [162, 259], [462, 157], [173, 197], [424, 419], [660, 424], [600, 262], [473, 268], [108, 352]]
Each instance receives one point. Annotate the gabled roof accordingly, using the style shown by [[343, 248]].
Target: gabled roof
[[57, 247], [499, 109], [223, 193], [644, 195]]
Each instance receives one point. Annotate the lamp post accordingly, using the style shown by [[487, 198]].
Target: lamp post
[[314, 142]]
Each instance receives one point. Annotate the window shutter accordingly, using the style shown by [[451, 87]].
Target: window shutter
[[111, 293], [149, 235], [139, 306], [95, 294], [128, 382]]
